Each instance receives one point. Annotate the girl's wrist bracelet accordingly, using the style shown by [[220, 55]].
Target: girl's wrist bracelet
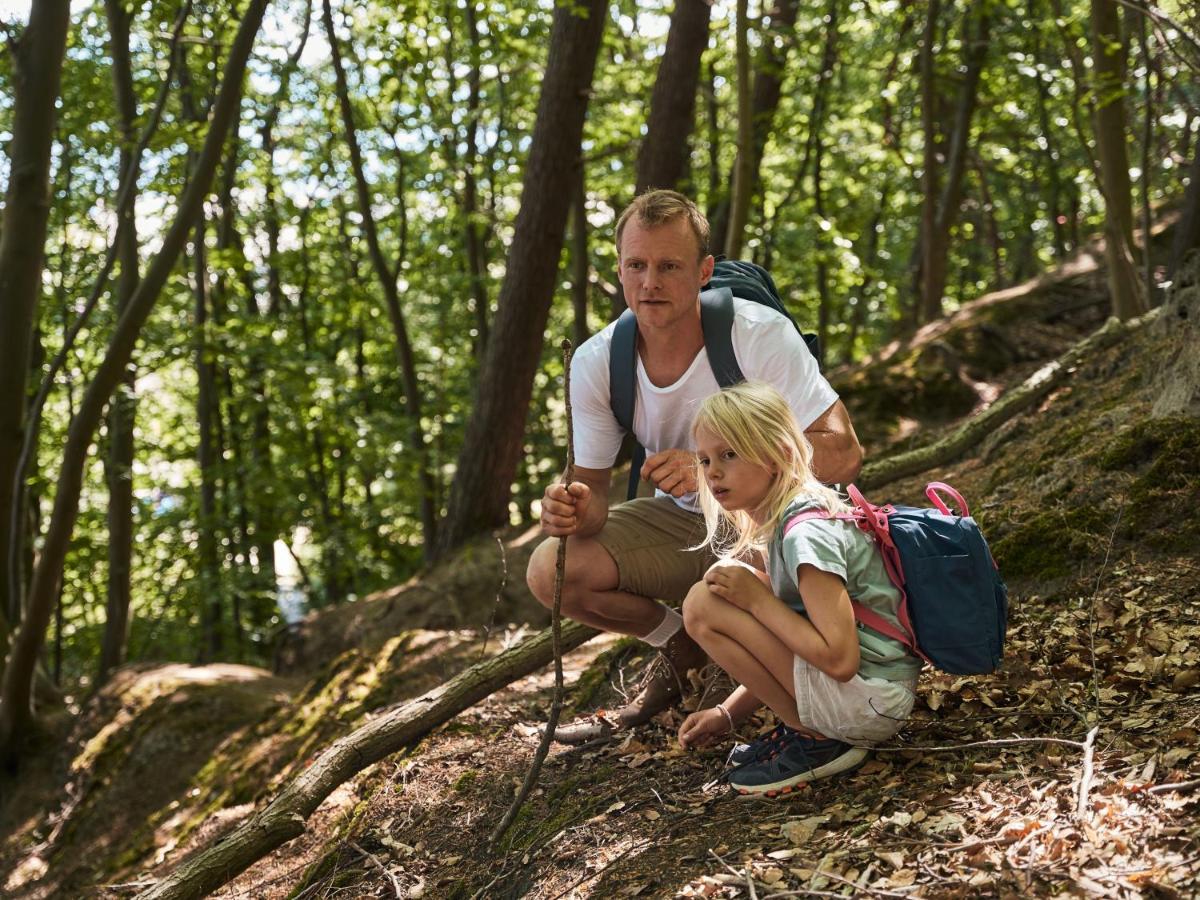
[[728, 716]]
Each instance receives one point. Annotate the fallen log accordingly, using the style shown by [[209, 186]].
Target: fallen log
[[1015, 401], [284, 818]]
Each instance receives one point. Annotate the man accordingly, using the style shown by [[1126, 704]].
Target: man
[[622, 563]]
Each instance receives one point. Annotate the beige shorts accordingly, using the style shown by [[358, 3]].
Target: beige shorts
[[647, 538], [861, 711]]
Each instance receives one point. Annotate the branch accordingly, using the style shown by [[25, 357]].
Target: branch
[[284, 817], [974, 430]]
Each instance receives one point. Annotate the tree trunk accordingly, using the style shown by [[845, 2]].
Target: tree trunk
[[1187, 229], [475, 231], [284, 817], [1108, 65], [936, 243], [37, 59], [825, 310], [122, 411], [769, 68], [1049, 154], [405, 356], [929, 166], [16, 715], [743, 167], [494, 436], [663, 158]]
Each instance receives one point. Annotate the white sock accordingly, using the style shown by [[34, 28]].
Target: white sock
[[666, 629]]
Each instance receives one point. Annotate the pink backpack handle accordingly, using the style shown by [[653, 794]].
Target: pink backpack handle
[[932, 492]]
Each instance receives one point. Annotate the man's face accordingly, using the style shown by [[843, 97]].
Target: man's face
[[661, 271]]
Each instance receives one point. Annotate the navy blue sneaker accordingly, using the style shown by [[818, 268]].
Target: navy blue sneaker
[[743, 754], [794, 761]]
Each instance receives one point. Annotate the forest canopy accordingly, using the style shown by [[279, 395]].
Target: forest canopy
[[305, 266]]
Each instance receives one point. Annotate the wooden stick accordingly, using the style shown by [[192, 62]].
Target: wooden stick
[[1085, 776], [560, 569]]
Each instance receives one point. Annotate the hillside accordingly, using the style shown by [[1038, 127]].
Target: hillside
[[993, 788]]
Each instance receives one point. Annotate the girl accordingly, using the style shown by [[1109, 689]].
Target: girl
[[794, 645]]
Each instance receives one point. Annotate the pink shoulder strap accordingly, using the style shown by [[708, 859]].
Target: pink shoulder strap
[[873, 520]]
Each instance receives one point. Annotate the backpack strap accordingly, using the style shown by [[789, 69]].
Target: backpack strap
[[622, 393], [716, 319], [873, 520], [932, 492]]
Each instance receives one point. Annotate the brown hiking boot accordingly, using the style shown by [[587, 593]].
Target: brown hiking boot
[[662, 684]]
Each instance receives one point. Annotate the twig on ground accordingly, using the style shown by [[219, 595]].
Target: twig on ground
[[996, 742], [399, 891], [1085, 776], [1175, 786], [1092, 610], [487, 631], [560, 568]]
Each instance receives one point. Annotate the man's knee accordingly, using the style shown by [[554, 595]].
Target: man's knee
[[540, 572], [589, 569]]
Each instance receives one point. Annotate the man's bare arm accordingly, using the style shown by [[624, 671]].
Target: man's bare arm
[[581, 508], [837, 455]]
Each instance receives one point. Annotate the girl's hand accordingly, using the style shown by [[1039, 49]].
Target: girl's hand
[[739, 584], [702, 728]]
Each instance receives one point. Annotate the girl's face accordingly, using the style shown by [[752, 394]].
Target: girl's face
[[735, 482]]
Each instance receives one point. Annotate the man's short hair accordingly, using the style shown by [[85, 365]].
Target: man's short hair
[[659, 207]]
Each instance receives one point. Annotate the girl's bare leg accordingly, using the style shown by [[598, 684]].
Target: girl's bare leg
[[752, 655]]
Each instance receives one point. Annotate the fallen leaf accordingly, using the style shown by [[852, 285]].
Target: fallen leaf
[[799, 831], [893, 858], [772, 875], [783, 854]]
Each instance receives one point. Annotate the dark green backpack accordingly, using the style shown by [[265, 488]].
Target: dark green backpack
[[730, 278]]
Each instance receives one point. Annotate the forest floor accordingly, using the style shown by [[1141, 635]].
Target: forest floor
[[992, 789]]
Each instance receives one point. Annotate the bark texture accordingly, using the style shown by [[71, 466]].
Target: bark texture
[[1108, 63], [491, 450], [662, 159], [284, 817], [37, 60]]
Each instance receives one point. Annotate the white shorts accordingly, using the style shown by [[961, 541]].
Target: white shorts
[[861, 711]]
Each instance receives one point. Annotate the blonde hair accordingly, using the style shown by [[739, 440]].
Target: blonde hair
[[660, 207], [758, 425]]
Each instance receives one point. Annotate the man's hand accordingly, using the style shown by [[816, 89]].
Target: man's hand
[[702, 728], [739, 584], [672, 471], [563, 508]]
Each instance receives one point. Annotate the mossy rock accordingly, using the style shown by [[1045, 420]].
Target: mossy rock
[[1162, 449]]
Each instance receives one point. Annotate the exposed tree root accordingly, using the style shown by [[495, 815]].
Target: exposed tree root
[[1015, 401], [284, 817]]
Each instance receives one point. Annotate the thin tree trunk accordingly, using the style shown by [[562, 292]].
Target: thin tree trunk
[[1148, 115], [1049, 154], [123, 408], [1108, 65], [825, 310], [475, 231], [36, 59], [769, 68], [405, 356], [937, 242], [663, 158], [929, 167], [743, 174], [16, 714], [1187, 230], [492, 445]]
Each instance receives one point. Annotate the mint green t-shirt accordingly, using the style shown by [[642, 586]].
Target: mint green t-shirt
[[840, 548]]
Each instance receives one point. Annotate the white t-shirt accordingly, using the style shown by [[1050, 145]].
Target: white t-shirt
[[768, 348]]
